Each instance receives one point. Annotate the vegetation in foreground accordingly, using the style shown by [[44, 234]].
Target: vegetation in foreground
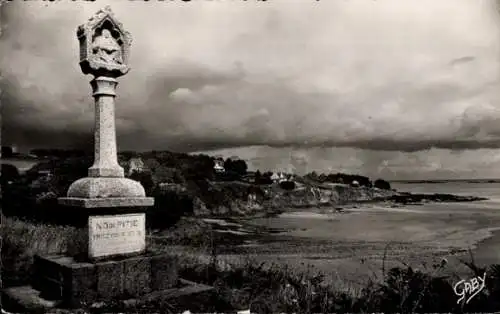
[[266, 288]]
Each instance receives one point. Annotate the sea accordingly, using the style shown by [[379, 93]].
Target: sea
[[482, 214]]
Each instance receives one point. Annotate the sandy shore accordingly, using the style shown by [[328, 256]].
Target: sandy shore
[[354, 244]]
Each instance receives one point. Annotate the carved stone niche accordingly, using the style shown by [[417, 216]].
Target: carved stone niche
[[104, 45]]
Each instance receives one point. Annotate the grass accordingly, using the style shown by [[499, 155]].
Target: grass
[[21, 240], [266, 288]]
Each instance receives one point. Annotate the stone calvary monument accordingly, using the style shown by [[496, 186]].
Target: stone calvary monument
[[111, 261], [104, 52]]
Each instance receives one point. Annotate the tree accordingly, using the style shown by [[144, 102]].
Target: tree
[[241, 167], [322, 177], [265, 178], [127, 154], [167, 174], [287, 185], [199, 167], [151, 164], [258, 177], [67, 171], [382, 184], [145, 178], [237, 166]]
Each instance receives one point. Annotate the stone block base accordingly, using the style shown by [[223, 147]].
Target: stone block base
[[185, 294], [72, 283]]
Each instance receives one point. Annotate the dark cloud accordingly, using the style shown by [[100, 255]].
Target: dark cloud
[[227, 74], [462, 60]]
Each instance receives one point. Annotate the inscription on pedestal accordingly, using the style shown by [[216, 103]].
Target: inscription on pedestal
[[116, 234]]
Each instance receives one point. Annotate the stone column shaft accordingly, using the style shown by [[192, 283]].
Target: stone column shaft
[[105, 152]]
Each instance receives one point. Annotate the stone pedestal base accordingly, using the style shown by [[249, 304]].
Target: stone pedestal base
[[113, 226], [60, 281], [63, 278], [105, 232]]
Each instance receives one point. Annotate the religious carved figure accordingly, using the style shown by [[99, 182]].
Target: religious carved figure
[[104, 45], [107, 49]]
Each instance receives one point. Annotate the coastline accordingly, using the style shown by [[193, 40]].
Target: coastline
[[486, 251]]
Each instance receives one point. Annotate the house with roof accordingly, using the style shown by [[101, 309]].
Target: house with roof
[[135, 164], [219, 166], [282, 177], [275, 177]]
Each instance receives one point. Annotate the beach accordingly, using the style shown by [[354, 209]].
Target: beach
[[361, 241]]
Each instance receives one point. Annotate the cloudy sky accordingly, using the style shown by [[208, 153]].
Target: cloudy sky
[[390, 88]]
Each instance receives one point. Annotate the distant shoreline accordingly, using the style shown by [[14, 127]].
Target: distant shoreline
[[446, 181]]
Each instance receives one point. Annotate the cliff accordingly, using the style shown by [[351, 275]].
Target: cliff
[[336, 194], [236, 198], [242, 199]]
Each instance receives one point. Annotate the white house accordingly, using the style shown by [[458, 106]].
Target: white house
[[275, 177], [279, 177], [282, 177], [219, 166]]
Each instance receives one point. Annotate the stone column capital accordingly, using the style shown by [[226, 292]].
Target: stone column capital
[[104, 86]]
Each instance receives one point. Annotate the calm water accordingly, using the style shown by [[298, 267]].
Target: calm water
[[21, 164], [488, 250], [489, 190], [356, 241]]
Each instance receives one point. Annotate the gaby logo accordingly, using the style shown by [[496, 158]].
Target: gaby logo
[[470, 288]]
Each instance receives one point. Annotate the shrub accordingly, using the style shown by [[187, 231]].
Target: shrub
[[382, 184], [238, 166], [287, 185], [169, 207], [264, 178]]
